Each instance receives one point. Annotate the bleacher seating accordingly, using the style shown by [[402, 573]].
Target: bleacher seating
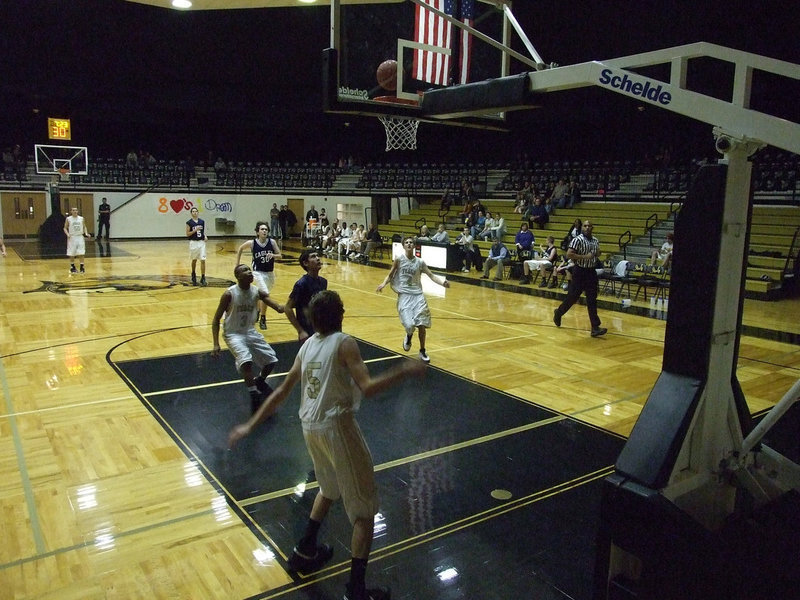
[[772, 259]]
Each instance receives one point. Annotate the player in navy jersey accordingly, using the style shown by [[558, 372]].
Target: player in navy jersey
[[264, 251], [196, 232], [302, 292]]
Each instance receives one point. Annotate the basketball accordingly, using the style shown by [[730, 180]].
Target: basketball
[[387, 75]]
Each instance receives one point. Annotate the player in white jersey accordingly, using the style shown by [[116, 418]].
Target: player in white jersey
[[75, 230], [333, 376], [406, 279], [239, 305]]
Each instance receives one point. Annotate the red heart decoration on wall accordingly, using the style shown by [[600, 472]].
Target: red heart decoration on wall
[[177, 205]]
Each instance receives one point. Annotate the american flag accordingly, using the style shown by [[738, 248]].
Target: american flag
[[468, 18], [431, 29]]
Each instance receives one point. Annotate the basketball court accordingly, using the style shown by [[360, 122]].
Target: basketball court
[[501, 472]]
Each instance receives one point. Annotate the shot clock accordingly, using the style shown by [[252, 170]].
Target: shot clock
[[58, 129]]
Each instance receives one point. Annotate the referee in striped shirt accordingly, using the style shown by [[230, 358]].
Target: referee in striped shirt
[[584, 250]]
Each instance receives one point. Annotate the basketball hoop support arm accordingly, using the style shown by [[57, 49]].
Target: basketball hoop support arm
[[712, 462]]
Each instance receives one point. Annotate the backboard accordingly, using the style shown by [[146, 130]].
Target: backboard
[[434, 49], [53, 160]]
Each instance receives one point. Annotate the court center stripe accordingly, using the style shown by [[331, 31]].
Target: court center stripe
[[414, 457], [33, 515]]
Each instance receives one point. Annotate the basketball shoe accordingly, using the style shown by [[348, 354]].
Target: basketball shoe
[[303, 563], [370, 594]]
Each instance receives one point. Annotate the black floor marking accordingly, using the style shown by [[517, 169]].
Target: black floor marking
[[437, 510]]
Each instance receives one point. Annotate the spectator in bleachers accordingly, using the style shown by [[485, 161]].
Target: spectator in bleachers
[[538, 214], [188, 169], [498, 254], [476, 226], [20, 161], [544, 262], [558, 199], [499, 228], [441, 236], [524, 197], [221, 167], [447, 201], [424, 234], [486, 232], [148, 161], [467, 250], [574, 196], [663, 256], [8, 162], [468, 195], [573, 232], [132, 160]]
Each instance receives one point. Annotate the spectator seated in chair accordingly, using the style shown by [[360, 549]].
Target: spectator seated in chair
[[374, 240], [497, 254], [467, 249], [545, 261], [524, 241], [663, 256], [565, 268], [355, 244]]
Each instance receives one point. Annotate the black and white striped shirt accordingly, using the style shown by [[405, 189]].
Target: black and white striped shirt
[[582, 245]]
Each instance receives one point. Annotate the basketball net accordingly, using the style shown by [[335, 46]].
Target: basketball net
[[63, 174], [401, 132]]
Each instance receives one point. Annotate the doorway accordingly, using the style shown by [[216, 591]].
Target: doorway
[[23, 213]]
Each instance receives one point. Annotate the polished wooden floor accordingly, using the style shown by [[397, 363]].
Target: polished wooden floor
[[99, 501]]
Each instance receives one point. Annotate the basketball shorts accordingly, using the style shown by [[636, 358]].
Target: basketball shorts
[[534, 265], [76, 245], [343, 466], [264, 280], [197, 250], [250, 347], [413, 310]]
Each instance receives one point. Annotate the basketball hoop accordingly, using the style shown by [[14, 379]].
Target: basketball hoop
[[401, 132], [63, 174]]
